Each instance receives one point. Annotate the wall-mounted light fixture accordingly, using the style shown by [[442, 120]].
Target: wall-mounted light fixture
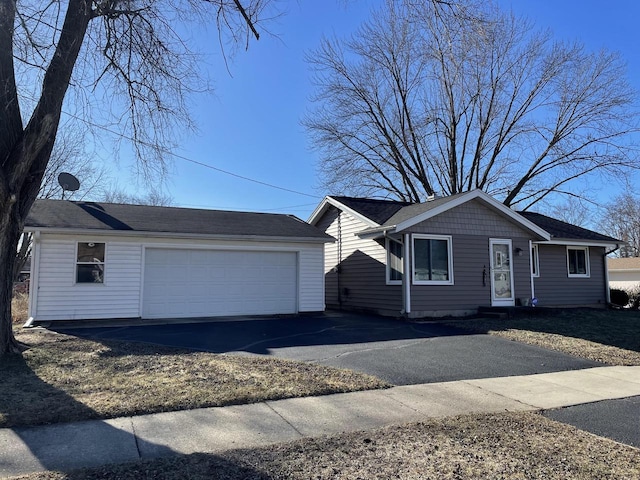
[[518, 252]]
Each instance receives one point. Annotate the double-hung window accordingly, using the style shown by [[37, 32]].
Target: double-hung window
[[432, 260], [90, 262], [578, 261], [394, 262]]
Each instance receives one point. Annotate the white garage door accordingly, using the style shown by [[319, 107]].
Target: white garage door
[[202, 283]]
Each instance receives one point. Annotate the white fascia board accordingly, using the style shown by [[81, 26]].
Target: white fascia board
[[376, 232], [324, 205], [473, 194], [195, 236], [577, 243]]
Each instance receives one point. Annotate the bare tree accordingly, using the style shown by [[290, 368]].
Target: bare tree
[[70, 155], [154, 197], [575, 209], [444, 97], [621, 220], [127, 67]]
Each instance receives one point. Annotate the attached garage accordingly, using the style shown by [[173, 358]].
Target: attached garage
[[203, 283], [114, 261]]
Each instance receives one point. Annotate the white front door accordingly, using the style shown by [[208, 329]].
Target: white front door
[[501, 273]]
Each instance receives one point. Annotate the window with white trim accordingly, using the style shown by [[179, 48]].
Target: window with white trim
[[90, 262], [394, 262], [432, 260], [578, 261], [535, 261]]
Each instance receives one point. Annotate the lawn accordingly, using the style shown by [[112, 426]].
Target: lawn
[[608, 336], [61, 378], [500, 446]]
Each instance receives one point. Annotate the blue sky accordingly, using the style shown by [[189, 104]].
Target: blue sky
[[251, 126]]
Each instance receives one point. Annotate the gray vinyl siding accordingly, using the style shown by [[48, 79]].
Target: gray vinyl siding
[[355, 268], [471, 217], [470, 258], [554, 287]]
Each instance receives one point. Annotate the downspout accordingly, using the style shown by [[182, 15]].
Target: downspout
[[406, 283], [607, 291], [34, 273], [339, 265], [531, 260]]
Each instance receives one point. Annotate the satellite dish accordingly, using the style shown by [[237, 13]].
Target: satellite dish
[[68, 183]]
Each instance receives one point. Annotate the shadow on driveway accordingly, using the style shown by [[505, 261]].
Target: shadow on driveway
[[399, 352]]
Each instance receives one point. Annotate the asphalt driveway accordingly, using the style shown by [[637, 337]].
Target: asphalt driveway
[[401, 353]]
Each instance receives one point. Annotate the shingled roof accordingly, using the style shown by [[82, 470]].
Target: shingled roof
[[377, 210], [113, 217], [390, 212], [563, 230]]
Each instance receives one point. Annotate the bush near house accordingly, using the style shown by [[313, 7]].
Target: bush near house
[[619, 297], [20, 307]]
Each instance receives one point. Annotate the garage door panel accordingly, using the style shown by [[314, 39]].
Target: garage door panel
[[188, 283]]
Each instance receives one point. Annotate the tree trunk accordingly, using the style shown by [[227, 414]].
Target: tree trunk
[[9, 235], [25, 152]]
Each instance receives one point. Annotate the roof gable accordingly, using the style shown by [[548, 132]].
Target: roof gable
[[62, 215], [413, 214]]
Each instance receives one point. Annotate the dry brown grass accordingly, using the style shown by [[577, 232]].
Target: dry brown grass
[[63, 378], [20, 308], [506, 446], [607, 336]]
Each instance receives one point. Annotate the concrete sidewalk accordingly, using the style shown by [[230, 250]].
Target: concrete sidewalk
[[95, 443]]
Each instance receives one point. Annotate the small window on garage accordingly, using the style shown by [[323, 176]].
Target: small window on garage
[[578, 261], [90, 262]]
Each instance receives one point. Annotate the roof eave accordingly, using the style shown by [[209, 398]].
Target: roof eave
[[177, 235], [580, 242]]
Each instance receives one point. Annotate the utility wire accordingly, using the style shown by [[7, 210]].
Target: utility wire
[[187, 159]]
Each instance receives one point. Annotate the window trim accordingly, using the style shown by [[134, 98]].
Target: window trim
[[76, 263], [388, 267], [420, 236], [586, 262], [535, 261]]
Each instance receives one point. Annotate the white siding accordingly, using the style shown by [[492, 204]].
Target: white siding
[[59, 298], [624, 280], [311, 278]]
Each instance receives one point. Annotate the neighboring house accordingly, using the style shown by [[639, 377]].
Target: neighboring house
[[461, 252], [624, 273], [104, 261]]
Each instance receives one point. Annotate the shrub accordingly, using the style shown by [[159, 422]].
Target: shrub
[[19, 307], [619, 297]]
